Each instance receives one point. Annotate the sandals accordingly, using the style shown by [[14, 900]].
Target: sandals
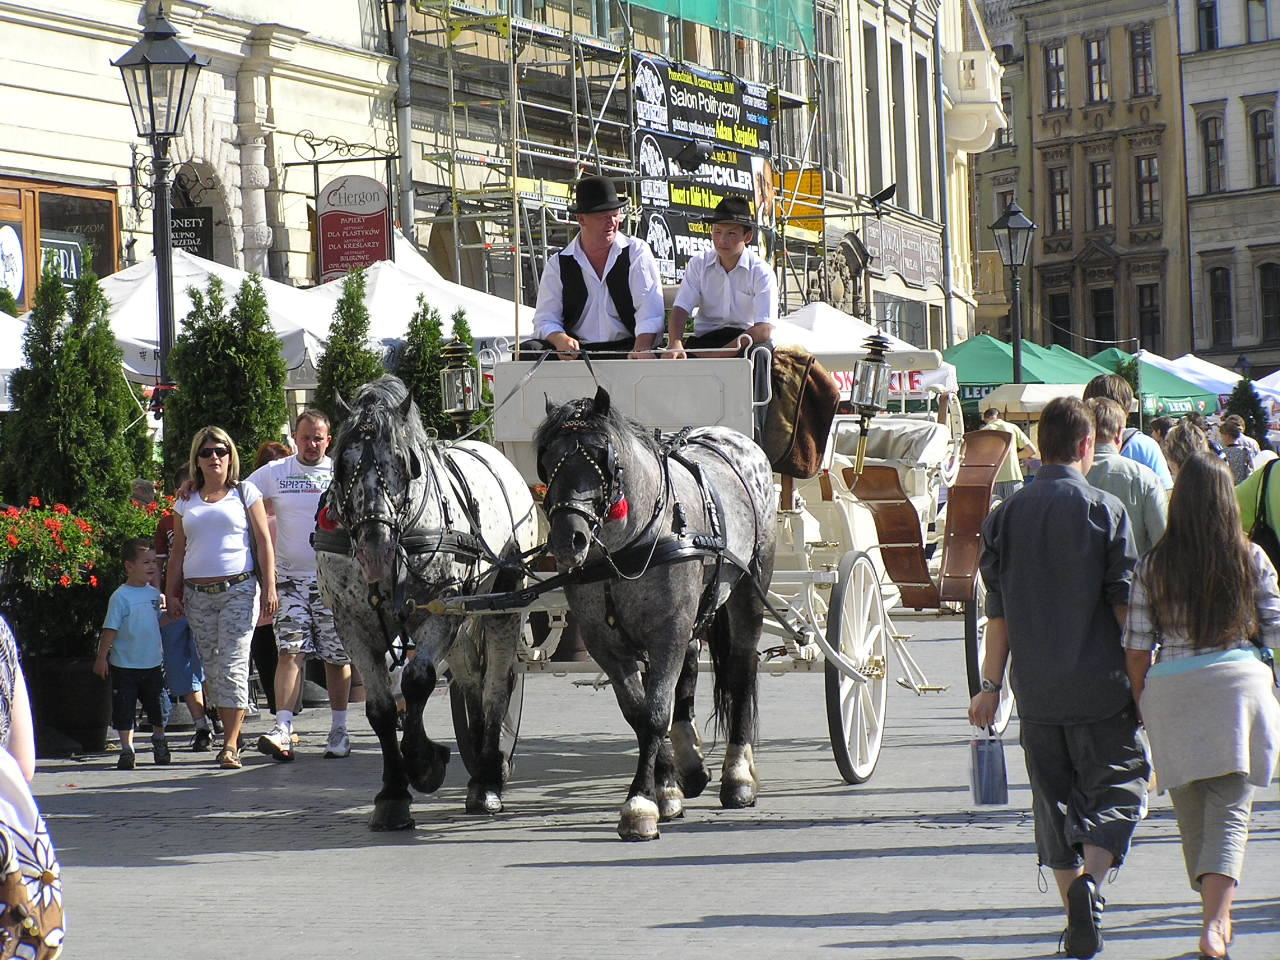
[[229, 758]]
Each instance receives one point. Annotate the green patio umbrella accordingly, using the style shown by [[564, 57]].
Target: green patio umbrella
[[1083, 365], [1161, 391], [983, 363]]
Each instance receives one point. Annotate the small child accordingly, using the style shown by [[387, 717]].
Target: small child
[[131, 643]]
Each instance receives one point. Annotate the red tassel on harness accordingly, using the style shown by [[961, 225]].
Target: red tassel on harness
[[617, 510], [326, 520]]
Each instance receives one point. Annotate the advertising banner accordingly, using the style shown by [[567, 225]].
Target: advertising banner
[[191, 229], [678, 108], [354, 222]]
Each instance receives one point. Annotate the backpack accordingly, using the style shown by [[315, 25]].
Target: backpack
[[1262, 532]]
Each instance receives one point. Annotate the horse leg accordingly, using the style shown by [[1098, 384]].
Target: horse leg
[[425, 761], [391, 805], [691, 767], [735, 635], [500, 636]]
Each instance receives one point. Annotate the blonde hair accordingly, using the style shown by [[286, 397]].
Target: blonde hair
[[1183, 441], [1108, 418], [216, 435]]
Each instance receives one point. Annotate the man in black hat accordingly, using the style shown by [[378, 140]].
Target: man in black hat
[[602, 292], [732, 288]]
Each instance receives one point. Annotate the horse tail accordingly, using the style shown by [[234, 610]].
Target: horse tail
[[733, 664]]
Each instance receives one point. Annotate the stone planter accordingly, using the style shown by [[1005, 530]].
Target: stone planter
[[71, 705]]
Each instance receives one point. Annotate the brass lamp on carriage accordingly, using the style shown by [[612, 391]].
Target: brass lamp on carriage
[[459, 384], [870, 392]]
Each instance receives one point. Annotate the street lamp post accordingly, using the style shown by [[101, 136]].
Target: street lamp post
[[159, 74], [1013, 239], [1243, 366]]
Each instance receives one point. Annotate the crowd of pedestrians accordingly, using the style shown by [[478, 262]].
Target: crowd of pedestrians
[[1135, 619]]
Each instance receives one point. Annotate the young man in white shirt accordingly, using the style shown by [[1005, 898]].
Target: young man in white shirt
[[602, 292], [292, 488], [733, 289]]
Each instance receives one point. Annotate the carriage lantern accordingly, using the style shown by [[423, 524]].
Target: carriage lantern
[[459, 383], [870, 393]]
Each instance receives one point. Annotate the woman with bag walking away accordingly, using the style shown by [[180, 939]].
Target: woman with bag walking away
[[220, 540], [1206, 601]]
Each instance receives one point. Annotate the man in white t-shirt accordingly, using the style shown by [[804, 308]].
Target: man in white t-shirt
[[304, 626]]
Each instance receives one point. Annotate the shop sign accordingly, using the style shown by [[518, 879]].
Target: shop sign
[[914, 255], [65, 251], [13, 264], [354, 219], [191, 229]]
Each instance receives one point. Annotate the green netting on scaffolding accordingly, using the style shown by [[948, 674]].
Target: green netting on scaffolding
[[785, 23]]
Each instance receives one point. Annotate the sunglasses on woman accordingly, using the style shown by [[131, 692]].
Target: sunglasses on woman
[[208, 453]]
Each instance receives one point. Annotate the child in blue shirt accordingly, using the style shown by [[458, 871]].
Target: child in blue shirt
[[130, 644]]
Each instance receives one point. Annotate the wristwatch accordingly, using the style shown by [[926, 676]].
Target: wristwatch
[[989, 687]]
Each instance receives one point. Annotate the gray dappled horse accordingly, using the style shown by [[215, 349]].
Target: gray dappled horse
[[646, 536], [408, 520]]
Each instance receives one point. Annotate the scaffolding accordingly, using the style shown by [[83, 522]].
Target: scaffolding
[[536, 94]]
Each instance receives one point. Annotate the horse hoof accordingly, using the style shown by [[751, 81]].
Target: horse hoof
[[427, 775], [390, 815], [736, 796], [687, 744], [639, 820], [694, 780], [670, 804], [480, 800]]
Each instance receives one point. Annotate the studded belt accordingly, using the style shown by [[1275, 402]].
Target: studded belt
[[220, 586]]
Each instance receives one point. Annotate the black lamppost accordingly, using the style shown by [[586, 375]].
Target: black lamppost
[[1013, 239], [1243, 366], [160, 75]]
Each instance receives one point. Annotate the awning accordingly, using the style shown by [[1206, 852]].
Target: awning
[[1161, 392]]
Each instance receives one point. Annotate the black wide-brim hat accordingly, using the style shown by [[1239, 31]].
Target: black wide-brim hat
[[732, 209], [596, 195]]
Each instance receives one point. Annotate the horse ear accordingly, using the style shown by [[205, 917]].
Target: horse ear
[[405, 404], [551, 407], [343, 409], [415, 465], [601, 404]]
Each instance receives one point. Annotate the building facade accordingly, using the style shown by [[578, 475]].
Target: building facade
[[1100, 172], [1231, 81]]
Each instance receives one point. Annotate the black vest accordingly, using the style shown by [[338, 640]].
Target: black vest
[[617, 281]]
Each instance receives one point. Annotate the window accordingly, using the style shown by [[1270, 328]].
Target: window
[[1263, 128], [1147, 175], [1102, 301], [871, 69], [1214, 154], [1149, 316], [1103, 190], [1207, 24], [1220, 305], [1055, 77], [1059, 317], [1095, 54], [901, 153], [1269, 300], [925, 160], [1256, 14], [1003, 199], [1141, 67], [1004, 138], [1059, 200], [831, 70]]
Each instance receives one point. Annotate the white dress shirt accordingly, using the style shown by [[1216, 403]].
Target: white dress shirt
[[599, 322], [738, 298]]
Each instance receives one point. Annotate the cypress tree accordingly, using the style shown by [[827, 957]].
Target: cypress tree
[[1244, 400], [229, 373], [348, 363], [421, 364]]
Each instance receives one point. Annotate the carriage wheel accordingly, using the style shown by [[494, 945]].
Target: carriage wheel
[[510, 724], [975, 650], [858, 628]]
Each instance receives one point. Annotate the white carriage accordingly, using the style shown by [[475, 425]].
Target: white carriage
[[854, 550]]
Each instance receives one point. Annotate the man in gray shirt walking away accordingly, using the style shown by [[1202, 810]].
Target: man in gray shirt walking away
[[1134, 484], [1057, 561]]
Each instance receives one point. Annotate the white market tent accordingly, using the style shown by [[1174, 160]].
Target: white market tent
[[1211, 376], [1271, 382], [1028, 399], [391, 295], [836, 339]]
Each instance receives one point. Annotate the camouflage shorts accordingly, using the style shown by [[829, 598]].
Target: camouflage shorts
[[304, 624]]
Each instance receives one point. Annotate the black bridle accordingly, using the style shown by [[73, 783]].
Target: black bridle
[[602, 458], [397, 522]]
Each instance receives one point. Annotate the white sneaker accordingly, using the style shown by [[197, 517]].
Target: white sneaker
[[339, 744], [276, 744]]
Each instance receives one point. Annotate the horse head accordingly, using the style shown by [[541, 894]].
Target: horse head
[[377, 458], [580, 460]]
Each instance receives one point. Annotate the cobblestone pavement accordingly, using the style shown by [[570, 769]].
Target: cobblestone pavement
[[274, 861]]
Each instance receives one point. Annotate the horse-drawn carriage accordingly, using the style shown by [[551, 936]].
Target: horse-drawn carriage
[[888, 527]]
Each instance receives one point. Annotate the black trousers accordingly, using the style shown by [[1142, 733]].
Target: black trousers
[[613, 349], [129, 685], [717, 339]]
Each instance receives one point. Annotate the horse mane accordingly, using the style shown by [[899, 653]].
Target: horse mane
[[584, 415], [378, 402]]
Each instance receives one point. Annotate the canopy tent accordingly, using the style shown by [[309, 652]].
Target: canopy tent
[[1086, 367], [1270, 382], [1028, 399], [836, 338], [1161, 392], [984, 363], [1220, 379], [392, 289]]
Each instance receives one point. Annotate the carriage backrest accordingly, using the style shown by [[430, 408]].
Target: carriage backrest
[[662, 394]]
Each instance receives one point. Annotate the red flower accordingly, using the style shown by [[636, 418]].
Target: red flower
[[12, 512], [54, 524], [61, 508], [152, 507], [88, 566], [88, 542], [93, 581], [64, 580], [33, 502], [13, 541], [83, 525]]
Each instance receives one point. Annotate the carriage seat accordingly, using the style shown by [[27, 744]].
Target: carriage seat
[[913, 447]]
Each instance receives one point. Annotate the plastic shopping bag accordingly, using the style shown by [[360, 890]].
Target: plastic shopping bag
[[988, 779]]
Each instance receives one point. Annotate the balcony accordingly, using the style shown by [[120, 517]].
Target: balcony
[[974, 116]]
